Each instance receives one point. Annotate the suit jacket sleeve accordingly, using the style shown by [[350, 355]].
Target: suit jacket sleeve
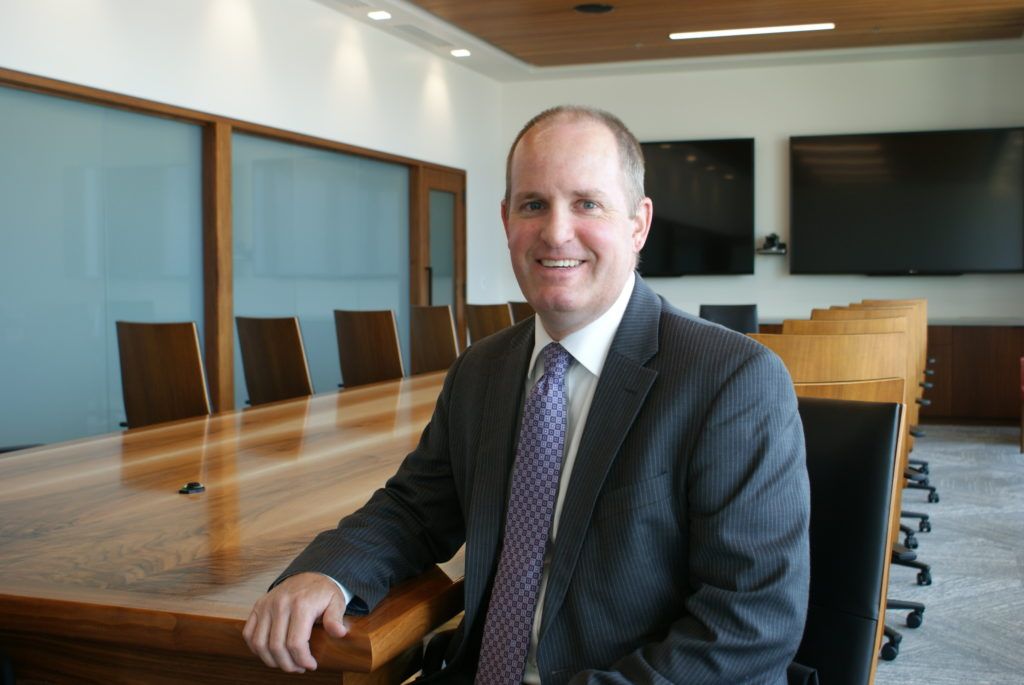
[[414, 521], [746, 504]]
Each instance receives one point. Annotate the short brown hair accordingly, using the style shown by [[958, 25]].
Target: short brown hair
[[631, 156]]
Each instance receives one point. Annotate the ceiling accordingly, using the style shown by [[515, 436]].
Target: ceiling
[[533, 36], [548, 33]]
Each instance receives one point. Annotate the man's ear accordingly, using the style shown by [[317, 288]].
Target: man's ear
[[642, 223], [504, 216]]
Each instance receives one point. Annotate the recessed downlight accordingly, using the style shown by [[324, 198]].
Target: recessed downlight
[[755, 31], [461, 52], [379, 15]]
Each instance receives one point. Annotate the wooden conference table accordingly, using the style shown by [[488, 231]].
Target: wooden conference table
[[108, 574]]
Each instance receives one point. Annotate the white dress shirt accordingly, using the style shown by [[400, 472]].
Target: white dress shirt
[[589, 348]]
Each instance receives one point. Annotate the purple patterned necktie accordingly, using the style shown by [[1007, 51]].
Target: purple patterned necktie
[[527, 524]]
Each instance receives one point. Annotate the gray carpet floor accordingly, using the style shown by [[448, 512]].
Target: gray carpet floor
[[973, 630]]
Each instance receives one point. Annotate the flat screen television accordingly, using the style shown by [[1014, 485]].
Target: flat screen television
[[703, 194], [936, 202]]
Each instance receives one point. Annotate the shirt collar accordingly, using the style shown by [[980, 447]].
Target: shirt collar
[[590, 345]]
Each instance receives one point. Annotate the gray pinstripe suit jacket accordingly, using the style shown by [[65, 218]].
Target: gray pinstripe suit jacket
[[682, 550]]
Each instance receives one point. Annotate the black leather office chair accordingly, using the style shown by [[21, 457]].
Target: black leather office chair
[[738, 317], [851, 463]]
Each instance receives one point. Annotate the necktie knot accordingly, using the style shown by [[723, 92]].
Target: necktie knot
[[556, 361]]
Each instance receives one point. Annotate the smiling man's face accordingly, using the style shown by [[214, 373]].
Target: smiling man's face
[[572, 237]]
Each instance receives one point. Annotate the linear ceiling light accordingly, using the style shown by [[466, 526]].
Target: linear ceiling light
[[752, 31], [379, 15], [461, 52]]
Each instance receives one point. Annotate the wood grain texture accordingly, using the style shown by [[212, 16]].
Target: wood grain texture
[[274, 359], [100, 550], [218, 282], [368, 347], [832, 358], [547, 33], [521, 310], [432, 339], [985, 369], [940, 347], [162, 376], [485, 319]]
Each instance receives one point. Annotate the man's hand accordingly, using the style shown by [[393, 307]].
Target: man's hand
[[281, 622]]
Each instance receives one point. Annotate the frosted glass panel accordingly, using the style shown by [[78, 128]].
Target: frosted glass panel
[[100, 220], [442, 247], [316, 231]]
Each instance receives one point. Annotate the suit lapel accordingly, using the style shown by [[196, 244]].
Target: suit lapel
[[492, 463], [619, 395]]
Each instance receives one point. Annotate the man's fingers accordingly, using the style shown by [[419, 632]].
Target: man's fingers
[[297, 639], [277, 640], [256, 633], [334, 617]]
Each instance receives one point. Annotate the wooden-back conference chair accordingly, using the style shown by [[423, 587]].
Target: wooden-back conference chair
[[273, 358], [368, 347], [851, 464], [832, 358], [521, 310], [485, 319], [432, 338], [162, 376]]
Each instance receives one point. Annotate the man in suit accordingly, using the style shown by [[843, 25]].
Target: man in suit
[[671, 543]]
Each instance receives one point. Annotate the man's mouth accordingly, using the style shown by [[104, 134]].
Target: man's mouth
[[561, 263]]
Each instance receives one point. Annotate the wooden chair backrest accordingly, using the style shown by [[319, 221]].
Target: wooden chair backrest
[[915, 370], [832, 358], [485, 319], [848, 327], [273, 358], [162, 376], [368, 347], [874, 390], [920, 319], [432, 338], [521, 310]]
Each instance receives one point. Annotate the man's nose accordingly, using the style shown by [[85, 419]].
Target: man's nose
[[558, 229]]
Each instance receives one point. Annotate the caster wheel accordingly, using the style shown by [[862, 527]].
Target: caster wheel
[[910, 542], [925, 526], [924, 578], [915, 619], [889, 651], [933, 497]]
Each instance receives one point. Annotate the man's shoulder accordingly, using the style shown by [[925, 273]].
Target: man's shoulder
[[681, 332]]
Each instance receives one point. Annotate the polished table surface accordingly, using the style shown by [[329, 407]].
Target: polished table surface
[[107, 572]]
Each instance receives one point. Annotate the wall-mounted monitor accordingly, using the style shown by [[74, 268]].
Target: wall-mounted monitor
[[703, 194], [936, 202]]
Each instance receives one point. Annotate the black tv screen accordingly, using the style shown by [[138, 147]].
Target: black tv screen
[[703, 194], [937, 202]]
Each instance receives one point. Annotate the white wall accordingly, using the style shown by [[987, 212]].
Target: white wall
[[772, 102], [292, 64]]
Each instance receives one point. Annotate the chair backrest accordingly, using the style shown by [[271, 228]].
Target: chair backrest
[[915, 351], [432, 338], [875, 390], [162, 376], [368, 347], [831, 358], [897, 324], [274, 359], [738, 317], [521, 310], [851, 464], [485, 319]]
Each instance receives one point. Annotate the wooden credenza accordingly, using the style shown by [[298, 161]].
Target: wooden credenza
[[977, 372]]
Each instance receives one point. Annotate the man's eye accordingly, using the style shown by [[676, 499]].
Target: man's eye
[[533, 206], [588, 204]]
